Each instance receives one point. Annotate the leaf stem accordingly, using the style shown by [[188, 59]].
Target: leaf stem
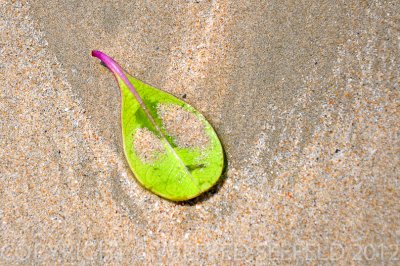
[[119, 73]]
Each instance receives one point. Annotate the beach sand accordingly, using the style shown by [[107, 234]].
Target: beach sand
[[303, 94]]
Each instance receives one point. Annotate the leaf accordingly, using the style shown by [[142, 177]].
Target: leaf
[[170, 147]]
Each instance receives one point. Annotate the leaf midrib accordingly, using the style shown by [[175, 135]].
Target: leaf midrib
[[159, 131]]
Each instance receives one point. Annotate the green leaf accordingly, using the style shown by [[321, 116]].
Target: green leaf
[[170, 147]]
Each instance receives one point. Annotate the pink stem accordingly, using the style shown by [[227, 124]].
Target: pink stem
[[118, 72]]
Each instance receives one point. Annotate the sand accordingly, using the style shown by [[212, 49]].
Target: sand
[[186, 130], [303, 95], [147, 146]]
